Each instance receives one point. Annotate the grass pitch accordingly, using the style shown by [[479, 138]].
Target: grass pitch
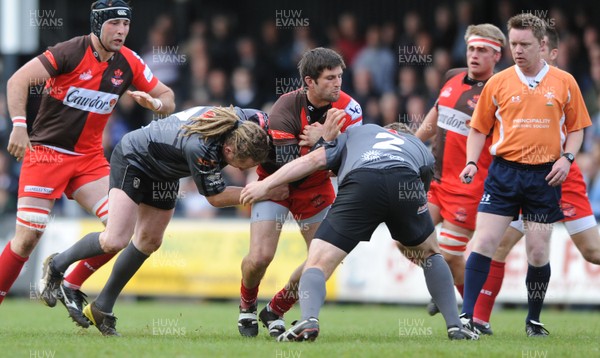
[[209, 329]]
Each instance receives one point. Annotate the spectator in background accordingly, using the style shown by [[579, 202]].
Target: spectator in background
[[389, 36], [424, 46], [348, 42], [442, 61], [444, 30], [362, 84], [415, 111], [248, 58], [269, 49], [590, 94], [389, 107], [302, 41], [433, 83], [245, 92], [162, 54], [378, 60], [199, 66], [412, 26], [372, 111], [464, 17], [221, 44], [218, 87], [504, 11], [408, 84]]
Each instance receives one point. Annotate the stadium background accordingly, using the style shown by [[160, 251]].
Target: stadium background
[[245, 53]]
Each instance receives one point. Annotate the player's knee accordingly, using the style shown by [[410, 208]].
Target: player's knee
[[259, 261], [592, 256], [538, 256], [148, 243], [112, 244], [34, 219], [452, 243]]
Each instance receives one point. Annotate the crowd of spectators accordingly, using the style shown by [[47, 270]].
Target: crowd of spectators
[[394, 70]]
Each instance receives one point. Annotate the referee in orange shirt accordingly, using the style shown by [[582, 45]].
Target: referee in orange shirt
[[534, 110]]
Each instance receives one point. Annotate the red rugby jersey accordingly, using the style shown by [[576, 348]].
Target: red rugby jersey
[[287, 119], [82, 93], [455, 106]]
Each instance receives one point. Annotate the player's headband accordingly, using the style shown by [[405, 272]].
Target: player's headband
[[480, 41]]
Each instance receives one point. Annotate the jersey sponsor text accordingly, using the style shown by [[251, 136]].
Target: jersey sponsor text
[[91, 101]]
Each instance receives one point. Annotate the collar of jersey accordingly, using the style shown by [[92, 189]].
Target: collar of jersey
[[538, 78]]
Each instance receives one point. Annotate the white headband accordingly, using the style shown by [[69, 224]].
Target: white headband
[[484, 41]]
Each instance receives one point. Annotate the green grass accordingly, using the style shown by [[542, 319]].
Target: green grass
[[200, 329]]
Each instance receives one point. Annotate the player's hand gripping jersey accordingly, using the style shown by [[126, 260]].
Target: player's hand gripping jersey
[[289, 115]]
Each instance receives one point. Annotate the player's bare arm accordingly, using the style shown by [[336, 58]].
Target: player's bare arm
[[475, 143], [427, 129], [294, 170], [32, 73], [298, 168]]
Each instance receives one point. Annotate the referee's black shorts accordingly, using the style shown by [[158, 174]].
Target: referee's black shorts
[[511, 188], [368, 197]]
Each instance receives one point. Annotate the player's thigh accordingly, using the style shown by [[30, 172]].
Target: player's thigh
[[268, 219], [435, 213], [489, 231], [88, 195], [45, 173], [122, 217], [588, 243], [434, 204], [308, 227]]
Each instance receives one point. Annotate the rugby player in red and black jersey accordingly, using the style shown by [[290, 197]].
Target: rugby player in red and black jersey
[[63, 153], [451, 202], [295, 125]]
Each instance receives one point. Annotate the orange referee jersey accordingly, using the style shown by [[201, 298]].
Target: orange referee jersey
[[530, 117]]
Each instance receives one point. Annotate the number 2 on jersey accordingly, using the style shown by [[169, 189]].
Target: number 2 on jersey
[[392, 142]]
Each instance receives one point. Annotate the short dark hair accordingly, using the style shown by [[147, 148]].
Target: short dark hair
[[552, 38], [524, 21], [314, 61]]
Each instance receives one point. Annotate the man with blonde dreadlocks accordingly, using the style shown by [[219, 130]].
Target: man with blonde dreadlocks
[[144, 182]]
